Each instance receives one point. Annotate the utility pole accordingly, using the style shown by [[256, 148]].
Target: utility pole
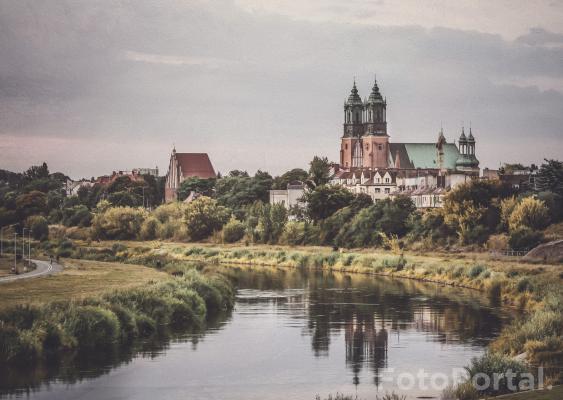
[[15, 252], [2, 240], [29, 249], [23, 250]]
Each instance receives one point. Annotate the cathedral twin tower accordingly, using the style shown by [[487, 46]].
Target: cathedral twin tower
[[365, 142]]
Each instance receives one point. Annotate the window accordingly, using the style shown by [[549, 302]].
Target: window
[[387, 190], [377, 190], [380, 146], [387, 180], [346, 146], [357, 155]]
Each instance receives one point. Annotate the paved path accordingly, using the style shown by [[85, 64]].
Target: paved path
[[44, 268]]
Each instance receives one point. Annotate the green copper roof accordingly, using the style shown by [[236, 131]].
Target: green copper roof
[[424, 155]]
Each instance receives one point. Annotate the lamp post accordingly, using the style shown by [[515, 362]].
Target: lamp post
[[15, 252], [23, 250], [29, 248], [2, 240]]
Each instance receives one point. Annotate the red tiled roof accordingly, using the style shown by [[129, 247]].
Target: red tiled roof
[[195, 164]]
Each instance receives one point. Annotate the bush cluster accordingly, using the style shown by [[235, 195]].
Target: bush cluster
[[28, 332]]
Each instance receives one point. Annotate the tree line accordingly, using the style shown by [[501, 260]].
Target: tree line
[[235, 208]]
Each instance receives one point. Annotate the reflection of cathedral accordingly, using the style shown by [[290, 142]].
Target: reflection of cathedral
[[365, 345]]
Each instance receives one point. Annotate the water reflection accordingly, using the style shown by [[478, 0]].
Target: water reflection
[[367, 308], [293, 334], [74, 366]]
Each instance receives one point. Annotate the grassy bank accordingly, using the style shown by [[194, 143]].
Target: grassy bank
[[93, 313]]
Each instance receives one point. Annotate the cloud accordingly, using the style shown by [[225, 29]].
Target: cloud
[[176, 60], [540, 37], [255, 89]]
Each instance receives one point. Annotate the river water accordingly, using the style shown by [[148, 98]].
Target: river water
[[293, 335]]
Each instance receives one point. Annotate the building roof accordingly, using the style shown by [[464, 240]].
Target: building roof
[[195, 164], [423, 155]]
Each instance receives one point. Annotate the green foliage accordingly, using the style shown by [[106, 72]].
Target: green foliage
[[265, 222], [27, 332], [530, 213], [490, 364], [78, 215], [39, 227], [93, 326], [550, 177], [475, 271], [233, 231], [524, 238], [325, 200], [118, 223], [319, 170], [203, 216], [296, 174], [239, 191], [204, 187], [32, 203]]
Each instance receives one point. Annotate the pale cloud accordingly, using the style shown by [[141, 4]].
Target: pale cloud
[[176, 60], [509, 18]]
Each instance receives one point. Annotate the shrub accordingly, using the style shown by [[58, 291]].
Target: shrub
[[233, 231], [530, 213], [127, 322], [524, 239], [93, 326], [18, 345], [475, 271], [490, 364], [121, 223], [146, 325], [203, 216], [524, 285], [150, 229], [39, 227]]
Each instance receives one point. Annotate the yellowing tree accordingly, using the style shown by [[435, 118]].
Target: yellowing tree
[[203, 216], [531, 213]]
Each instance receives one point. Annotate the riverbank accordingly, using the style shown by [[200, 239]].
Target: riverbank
[[95, 304]]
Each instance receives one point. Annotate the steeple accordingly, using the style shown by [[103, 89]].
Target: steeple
[[354, 97], [375, 95], [376, 118]]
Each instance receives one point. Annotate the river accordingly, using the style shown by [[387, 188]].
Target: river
[[293, 334]]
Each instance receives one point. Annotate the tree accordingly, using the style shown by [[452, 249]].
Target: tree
[[37, 172], [124, 199], [39, 227], [324, 200], [203, 216], [530, 213], [239, 192], [233, 231], [118, 223], [550, 177], [319, 170], [31, 203], [194, 184], [296, 174]]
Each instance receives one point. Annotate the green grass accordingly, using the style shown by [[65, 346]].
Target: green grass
[[556, 393], [29, 332]]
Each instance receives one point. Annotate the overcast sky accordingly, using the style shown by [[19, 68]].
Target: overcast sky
[[94, 86]]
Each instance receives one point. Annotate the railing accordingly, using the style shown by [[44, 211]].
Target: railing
[[510, 253]]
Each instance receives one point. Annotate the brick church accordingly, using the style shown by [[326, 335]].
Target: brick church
[[365, 142], [183, 166], [371, 164]]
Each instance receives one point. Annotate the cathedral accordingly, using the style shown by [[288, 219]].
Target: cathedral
[[365, 142], [370, 163]]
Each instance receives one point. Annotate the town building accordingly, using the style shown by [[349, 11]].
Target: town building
[[290, 197], [183, 166], [370, 163]]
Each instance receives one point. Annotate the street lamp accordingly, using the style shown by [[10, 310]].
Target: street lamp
[[15, 252], [2, 238], [23, 250], [29, 248]]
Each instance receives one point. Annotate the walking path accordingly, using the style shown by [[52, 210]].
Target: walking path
[[44, 268]]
